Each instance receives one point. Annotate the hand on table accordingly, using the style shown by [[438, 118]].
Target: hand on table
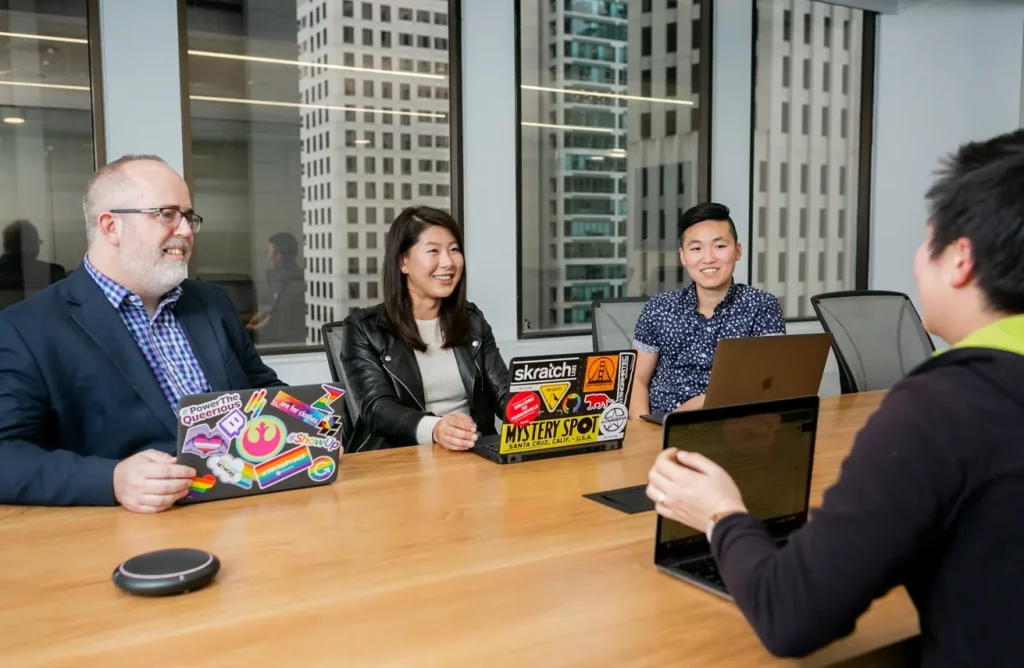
[[455, 431], [150, 481], [689, 488]]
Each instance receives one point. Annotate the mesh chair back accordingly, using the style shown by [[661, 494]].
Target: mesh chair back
[[614, 321], [878, 337], [333, 341]]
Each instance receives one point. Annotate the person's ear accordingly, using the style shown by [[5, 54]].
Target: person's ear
[[110, 226], [962, 262]]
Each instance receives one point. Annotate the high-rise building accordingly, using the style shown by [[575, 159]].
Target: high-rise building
[[664, 131], [374, 139], [807, 98], [574, 189]]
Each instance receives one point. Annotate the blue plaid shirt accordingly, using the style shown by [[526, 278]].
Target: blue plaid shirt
[[161, 340]]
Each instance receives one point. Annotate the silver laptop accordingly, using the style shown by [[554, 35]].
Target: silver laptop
[[764, 368]]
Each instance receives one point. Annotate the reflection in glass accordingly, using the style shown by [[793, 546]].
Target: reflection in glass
[[315, 122], [607, 142], [46, 143]]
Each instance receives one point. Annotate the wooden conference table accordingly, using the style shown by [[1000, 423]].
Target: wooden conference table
[[416, 556]]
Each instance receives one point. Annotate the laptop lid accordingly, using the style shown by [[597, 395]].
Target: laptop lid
[[249, 442], [767, 448], [567, 400], [764, 368]]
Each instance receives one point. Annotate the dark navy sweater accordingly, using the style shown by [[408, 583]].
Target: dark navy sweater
[[931, 497]]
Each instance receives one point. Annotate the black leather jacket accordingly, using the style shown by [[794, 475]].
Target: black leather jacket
[[385, 389]]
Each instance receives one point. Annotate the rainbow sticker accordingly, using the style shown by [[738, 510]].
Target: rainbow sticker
[[283, 466], [322, 469], [261, 439], [199, 486]]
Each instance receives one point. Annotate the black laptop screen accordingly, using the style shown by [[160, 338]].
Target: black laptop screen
[[768, 454]]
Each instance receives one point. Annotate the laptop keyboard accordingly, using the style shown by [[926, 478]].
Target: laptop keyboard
[[707, 569]]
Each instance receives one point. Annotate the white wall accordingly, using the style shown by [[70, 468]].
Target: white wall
[[948, 72]]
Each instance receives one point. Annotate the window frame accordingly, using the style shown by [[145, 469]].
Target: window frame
[[865, 117], [457, 203], [704, 90]]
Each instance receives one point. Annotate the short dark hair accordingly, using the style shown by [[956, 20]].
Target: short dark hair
[[705, 211], [979, 195], [402, 236], [285, 244]]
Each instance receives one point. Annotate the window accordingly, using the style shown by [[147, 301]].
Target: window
[[261, 153], [46, 138], [828, 173], [582, 178]]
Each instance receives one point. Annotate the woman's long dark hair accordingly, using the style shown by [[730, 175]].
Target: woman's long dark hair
[[402, 236]]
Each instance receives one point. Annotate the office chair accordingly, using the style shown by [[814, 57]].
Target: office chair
[[333, 341], [614, 321], [877, 335]]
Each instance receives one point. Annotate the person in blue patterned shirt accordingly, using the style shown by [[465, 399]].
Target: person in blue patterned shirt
[[678, 331], [93, 367]]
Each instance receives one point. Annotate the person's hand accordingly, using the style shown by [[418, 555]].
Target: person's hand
[[691, 404], [689, 488], [455, 431], [150, 481]]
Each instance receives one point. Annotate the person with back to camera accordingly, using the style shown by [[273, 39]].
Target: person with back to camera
[[422, 367], [929, 495]]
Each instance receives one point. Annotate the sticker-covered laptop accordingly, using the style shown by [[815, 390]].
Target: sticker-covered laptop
[[256, 441], [563, 405]]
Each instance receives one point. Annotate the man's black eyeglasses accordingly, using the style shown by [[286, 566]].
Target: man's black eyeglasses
[[170, 216]]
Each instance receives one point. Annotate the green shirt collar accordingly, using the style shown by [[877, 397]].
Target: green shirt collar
[[1006, 334]]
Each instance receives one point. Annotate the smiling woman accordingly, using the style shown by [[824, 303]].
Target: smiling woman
[[422, 367]]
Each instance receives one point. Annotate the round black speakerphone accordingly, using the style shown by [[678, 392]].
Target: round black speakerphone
[[166, 572]]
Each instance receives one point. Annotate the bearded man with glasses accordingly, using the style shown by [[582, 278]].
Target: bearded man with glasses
[[92, 368]]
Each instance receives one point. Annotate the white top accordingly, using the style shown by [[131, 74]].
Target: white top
[[443, 390]]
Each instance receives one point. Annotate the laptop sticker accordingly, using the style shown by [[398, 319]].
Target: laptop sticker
[[200, 485], [256, 403], [328, 443], [202, 441], [613, 420], [232, 424], [523, 408], [596, 401], [601, 373], [283, 466], [321, 469], [572, 403], [546, 434], [261, 439], [226, 403], [226, 468], [552, 393]]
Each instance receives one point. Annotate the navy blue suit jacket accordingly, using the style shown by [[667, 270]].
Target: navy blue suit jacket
[[77, 396]]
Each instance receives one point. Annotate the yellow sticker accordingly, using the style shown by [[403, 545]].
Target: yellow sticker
[[547, 434], [553, 394]]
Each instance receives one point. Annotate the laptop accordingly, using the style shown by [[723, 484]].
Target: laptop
[[763, 368], [768, 449], [248, 442], [563, 405]]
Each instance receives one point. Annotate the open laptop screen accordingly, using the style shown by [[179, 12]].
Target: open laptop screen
[[767, 448]]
